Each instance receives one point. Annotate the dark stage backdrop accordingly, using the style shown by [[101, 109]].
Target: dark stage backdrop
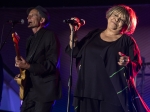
[[95, 18]]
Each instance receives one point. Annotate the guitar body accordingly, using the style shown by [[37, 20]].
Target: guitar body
[[22, 78], [21, 81]]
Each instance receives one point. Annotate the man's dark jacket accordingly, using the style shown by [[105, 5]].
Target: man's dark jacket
[[43, 57]]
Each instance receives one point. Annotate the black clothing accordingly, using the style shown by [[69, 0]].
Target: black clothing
[[96, 79], [119, 77], [42, 53], [94, 105], [32, 105]]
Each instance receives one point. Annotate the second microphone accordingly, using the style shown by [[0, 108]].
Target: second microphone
[[75, 21]]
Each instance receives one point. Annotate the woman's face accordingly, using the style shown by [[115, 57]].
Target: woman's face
[[116, 21]]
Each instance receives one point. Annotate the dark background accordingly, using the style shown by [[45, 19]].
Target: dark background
[[94, 14], [68, 3]]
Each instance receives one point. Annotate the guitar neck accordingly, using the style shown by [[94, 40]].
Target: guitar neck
[[17, 51]]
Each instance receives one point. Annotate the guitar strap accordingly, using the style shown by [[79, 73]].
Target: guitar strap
[[30, 55]]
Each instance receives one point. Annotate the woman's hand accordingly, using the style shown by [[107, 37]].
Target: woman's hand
[[123, 60], [75, 27]]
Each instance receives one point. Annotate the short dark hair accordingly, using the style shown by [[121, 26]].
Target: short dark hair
[[43, 13]]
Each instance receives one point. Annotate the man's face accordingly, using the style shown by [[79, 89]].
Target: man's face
[[33, 19]]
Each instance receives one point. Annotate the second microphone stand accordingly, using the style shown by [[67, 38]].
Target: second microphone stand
[[70, 77]]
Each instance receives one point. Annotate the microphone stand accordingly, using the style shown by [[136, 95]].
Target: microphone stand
[[70, 77], [1, 62], [2, 44]]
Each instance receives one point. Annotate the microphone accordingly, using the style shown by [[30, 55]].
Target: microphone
[[13, 22], [74, 22]]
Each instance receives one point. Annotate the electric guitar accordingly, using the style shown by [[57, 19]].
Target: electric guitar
[[21, 79]]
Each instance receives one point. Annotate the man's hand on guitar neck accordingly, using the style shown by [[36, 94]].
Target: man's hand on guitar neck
[[21, 63]]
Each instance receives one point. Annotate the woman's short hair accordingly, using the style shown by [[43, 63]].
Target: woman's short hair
[[128, 13]]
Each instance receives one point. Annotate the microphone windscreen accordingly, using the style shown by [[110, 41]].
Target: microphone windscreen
[[82, 21], [22, 21]]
